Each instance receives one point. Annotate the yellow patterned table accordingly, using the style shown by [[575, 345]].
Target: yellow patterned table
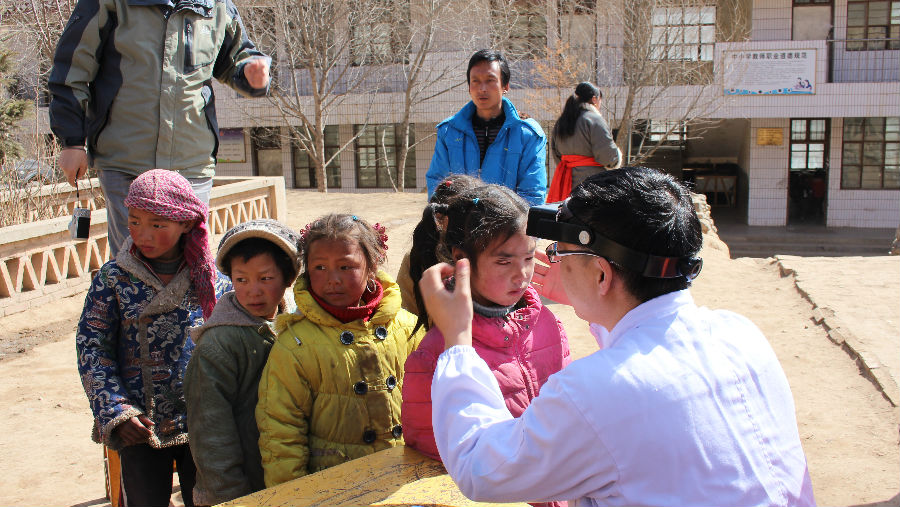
[[394, 477]]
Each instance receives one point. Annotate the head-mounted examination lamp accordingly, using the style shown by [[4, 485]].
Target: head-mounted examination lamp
[[544, 222]]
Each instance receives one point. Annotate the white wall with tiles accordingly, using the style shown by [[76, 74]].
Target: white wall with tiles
[[244, 168], [853, 207], [768, 175], [771, 20], [425, 141]]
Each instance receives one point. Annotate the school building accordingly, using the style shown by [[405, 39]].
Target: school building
[[800, 120]]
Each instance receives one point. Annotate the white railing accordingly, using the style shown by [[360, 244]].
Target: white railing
[[39, 262]]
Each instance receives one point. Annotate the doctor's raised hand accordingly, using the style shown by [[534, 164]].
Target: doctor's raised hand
[[547, 279], [451, 310]]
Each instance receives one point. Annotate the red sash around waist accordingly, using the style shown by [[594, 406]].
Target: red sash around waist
[[561, 186]]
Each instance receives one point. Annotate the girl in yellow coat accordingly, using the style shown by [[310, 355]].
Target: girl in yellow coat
[[330, 391]]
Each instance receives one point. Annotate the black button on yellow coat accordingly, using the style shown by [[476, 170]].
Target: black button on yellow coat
[[397, 431], [380, 332], [347, 337], [309, 415], [360, 387], [391, 382]]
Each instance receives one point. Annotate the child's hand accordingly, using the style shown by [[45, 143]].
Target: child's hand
[[451, 311], [547, 280], [135, 430], [256, 71]]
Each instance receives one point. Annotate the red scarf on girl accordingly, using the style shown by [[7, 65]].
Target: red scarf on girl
[[345, 314]]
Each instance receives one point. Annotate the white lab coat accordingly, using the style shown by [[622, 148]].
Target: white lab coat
[[681, 406]]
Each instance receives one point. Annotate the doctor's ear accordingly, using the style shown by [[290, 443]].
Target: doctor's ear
[[605, 277]]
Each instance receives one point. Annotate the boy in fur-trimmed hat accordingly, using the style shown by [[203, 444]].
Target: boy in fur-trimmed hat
[[262, 259]]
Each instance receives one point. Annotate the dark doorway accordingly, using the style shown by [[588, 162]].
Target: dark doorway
[[808, 171]]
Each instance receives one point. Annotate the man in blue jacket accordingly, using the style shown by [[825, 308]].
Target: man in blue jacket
[[488, 139]]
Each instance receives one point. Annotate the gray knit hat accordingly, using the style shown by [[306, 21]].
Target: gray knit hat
[[265, 228]]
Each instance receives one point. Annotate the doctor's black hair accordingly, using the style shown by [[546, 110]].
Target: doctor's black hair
[[643, 209]]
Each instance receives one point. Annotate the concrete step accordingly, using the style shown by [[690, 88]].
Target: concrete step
[[763, 242], [763, 250]]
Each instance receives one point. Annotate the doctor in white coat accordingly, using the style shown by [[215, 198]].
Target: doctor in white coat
[[681, 405]]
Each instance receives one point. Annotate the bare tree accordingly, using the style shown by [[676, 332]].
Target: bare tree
[[431, 27], [31, 29], [322, 57], [662, 67], [36, 25], [654, 60]]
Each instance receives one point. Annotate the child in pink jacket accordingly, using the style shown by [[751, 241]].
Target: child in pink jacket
[[519, 338]]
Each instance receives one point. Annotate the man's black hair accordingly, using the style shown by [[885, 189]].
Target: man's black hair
[[643, 209], [490, 55], [251, 247]]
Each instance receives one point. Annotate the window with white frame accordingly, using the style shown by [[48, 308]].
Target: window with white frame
[[683, 33], [305, 168], [871, 153], [873, 25], [667, 131], [377, 153]]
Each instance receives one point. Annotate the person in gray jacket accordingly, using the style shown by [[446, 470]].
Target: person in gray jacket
[[582, 144], [222, 378], [131, 91]]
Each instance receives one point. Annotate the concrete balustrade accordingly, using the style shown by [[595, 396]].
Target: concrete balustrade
[[39, 262]]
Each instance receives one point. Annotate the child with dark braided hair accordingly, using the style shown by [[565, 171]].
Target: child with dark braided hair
[[330, 391], [520, 338], [426, 236]]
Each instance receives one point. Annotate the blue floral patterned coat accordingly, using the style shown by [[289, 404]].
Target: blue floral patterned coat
[[133, 348]]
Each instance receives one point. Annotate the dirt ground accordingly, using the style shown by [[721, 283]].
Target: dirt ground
[[849, 430]]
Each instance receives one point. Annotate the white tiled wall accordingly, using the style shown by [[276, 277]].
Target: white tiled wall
[[767, 168], [771, 20], [768, 172], [857, 208]]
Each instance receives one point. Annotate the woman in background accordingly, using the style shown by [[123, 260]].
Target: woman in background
[[582, 142]]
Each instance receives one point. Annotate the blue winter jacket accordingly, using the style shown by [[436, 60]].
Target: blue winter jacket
[[516, 158]]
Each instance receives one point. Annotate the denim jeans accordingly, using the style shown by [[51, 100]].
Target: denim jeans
[[115, 188], [147, 474]]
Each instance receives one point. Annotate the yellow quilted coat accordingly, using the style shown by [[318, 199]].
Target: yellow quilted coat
[[330, 392]]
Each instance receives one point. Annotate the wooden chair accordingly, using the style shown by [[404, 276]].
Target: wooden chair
[[113, 469]]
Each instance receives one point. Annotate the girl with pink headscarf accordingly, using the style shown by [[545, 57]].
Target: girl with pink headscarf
[[132, 343]]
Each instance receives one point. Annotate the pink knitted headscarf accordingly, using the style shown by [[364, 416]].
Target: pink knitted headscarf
[[169, 195]]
